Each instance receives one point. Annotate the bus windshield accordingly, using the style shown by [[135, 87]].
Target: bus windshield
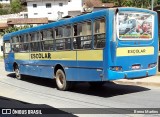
[[135, 26]]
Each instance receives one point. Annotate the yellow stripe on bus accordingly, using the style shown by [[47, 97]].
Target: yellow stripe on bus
[[65, 55], [135, 51], [22, 56], [84, 55], [90, 55]]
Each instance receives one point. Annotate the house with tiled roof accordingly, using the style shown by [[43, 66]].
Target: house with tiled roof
[[98, 3], [94, 5], [25, 21]]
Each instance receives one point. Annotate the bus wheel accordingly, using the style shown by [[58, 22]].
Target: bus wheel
[[62, 83], [17, 73], [96, 84]]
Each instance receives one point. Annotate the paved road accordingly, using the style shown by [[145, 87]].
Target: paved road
[[43, 92]]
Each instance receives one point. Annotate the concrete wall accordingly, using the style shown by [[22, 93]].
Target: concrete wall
[[1, 44], [5, 1]]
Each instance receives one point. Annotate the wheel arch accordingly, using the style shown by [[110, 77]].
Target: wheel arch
[[58, 66], [14, 65]]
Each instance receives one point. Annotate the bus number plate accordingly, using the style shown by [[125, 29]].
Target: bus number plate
[[135, 67]]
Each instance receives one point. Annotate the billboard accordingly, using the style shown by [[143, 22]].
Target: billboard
[[135, 25]]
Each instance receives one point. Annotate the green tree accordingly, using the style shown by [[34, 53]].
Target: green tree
[[16, 6], [133, 3], [105, 1], [14, 29]]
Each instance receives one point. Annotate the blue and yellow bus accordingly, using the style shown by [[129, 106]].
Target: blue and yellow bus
[[101, 46]]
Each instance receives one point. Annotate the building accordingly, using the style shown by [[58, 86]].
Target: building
[[52, 9], [26, 21], [94, 5], [5, 1]]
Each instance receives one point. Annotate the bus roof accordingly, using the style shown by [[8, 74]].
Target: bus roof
[[80, 18]]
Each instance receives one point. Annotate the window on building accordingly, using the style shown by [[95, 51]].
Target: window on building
[[35, 13], [60, 4], [34, 5], [48, 5]]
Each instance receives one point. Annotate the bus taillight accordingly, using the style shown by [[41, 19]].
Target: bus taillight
[[152, 65], [116, 68]]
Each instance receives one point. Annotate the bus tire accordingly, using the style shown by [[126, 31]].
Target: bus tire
[[18, 76], [96, 84], [62, 83]]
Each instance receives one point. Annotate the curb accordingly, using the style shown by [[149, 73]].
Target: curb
[[153, 81], [138, 83]]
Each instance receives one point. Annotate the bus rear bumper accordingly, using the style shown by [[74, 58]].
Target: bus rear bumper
[[114, 75]]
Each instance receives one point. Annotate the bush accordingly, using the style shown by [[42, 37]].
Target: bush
[[1, 6], [4, 11]]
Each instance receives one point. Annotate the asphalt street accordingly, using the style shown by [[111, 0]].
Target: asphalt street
[[36, 92]]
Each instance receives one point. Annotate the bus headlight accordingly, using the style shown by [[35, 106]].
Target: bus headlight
[[116, 68], [152, 65]]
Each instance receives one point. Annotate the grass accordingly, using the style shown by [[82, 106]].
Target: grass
[[1, 58]]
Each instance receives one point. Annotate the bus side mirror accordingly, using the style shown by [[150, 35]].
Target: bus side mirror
[[1, 48]]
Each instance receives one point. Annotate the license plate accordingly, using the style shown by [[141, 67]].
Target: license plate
[[134, 67]]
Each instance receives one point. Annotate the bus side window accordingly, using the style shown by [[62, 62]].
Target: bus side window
[[82, 35], [63, 38], [15, 44], [47, 41], [7, 47], [26, 39], [99, 33], [35, 42]]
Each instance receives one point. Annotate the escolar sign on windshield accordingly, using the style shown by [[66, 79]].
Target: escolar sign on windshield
[[135, 51]]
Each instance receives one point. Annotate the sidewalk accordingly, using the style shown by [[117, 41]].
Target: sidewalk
[[149, 81]]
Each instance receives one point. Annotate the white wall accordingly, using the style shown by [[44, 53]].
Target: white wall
[[52, 13], [1, 44], [4, 1], [75, 5]]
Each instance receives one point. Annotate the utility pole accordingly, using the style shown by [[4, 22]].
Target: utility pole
[[152, 4]]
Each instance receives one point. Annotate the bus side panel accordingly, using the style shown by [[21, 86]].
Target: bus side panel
[[90, 75], [90, 71], [9, 62], [83, 74], [90, 65], [71, 74], [39, 71], [9, 67]]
